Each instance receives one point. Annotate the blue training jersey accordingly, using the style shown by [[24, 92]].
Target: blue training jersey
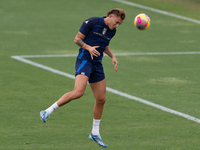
[[96, 34]]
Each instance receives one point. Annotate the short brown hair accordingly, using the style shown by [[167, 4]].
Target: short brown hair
[[118, 12]]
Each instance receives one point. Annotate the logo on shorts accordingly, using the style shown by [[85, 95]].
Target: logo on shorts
[[104, 31], [83, 73]]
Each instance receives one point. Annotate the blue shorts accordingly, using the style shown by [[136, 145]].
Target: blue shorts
[[93, 70]]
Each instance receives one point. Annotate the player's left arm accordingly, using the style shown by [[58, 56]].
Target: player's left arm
[[92, 49], [114, 59]]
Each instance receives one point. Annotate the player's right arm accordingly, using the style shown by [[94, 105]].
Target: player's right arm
[[78, 40]]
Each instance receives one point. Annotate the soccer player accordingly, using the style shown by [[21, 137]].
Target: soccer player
[[93, 39]]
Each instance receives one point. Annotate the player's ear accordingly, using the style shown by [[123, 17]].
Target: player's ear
[[110, 16]]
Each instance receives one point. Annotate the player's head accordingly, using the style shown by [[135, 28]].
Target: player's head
[[115, 17], [118, 12]]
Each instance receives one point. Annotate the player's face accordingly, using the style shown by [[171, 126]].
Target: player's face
[[114, 22]]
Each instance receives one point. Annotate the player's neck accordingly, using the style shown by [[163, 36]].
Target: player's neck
[[106, 21]]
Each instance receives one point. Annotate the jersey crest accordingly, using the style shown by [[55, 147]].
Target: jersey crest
[[104, 31]]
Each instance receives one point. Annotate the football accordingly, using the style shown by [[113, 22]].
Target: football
[[142, 21]]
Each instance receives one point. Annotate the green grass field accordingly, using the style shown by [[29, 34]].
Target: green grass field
[[49, 27]]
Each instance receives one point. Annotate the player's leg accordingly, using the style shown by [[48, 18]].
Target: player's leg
[[78, 91], [99, 91]]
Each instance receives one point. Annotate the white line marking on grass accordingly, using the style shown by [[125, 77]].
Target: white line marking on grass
[[40, 56], [43, 67], [158, 11], [153, 105], [116, 54], [156, 53], [22, 59]]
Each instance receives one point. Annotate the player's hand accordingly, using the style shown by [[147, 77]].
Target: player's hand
[[115, 62], [94, 52]]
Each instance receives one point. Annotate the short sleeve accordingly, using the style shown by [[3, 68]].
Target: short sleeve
[[86, 26]]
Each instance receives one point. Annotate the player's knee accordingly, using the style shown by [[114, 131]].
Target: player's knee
[[79, 94], [101, 100]]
